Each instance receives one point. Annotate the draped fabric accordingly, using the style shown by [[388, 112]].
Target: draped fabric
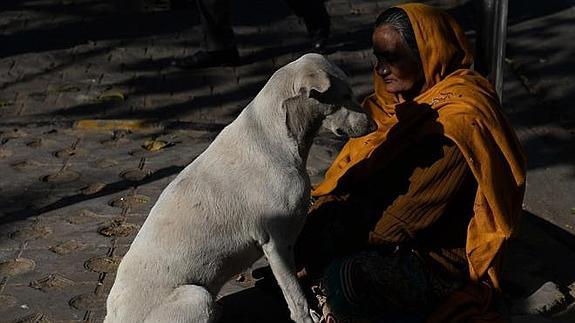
[[461, 105]]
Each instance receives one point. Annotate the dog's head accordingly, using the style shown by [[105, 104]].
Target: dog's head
[[324, 95]]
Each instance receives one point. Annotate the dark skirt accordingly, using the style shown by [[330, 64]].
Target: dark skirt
[[376, 286]]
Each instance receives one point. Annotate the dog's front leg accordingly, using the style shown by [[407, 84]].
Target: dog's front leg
[[281, 260]]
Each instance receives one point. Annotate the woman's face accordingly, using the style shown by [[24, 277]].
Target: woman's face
[[396, 64]]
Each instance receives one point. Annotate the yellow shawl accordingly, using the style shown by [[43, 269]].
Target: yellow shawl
[[466, 110]]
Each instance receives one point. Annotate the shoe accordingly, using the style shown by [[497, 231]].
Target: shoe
[[201, 58]]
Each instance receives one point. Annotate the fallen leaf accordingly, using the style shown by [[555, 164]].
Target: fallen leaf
[[112, 95], [67, 89], [50, 282], [4, 103], [155, 145]]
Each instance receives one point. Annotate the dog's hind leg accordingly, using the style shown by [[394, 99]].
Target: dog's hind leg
[[186, 304]]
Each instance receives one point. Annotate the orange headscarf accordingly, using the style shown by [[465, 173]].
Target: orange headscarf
[[466, 110]]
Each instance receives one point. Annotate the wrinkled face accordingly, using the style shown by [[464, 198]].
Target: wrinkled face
[[396, 63]]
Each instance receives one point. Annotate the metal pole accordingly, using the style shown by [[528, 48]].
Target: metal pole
[[491, 39], [501, 11]]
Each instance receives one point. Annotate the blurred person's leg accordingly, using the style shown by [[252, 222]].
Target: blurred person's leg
[[178, 4], [218, 45], [316, 19], [216, 25]]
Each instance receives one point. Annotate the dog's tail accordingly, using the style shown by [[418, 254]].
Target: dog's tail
[[186, 304]]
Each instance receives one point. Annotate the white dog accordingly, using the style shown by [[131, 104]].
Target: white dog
[[247, 193]]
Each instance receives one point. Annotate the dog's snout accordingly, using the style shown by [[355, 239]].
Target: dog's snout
[[361, 124], [347, 123]]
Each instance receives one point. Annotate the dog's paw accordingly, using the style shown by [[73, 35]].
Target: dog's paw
[[315, 316]]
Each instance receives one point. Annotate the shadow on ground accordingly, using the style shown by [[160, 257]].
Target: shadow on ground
[[254, 305], [540, 252]]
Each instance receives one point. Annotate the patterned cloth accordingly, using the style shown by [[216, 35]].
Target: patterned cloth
[[375, 287]]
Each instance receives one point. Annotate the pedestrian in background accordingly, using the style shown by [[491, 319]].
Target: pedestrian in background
[[219, 47]]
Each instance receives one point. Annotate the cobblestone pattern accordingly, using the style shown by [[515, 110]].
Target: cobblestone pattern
[[73, 202], [71, 76]]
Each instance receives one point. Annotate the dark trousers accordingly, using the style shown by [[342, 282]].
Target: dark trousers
[[218, 33]]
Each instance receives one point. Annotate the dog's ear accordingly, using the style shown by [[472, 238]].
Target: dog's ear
[[315, 84], [295, 113], [298, 116]]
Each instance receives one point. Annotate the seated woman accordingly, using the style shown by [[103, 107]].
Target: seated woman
[[410, 222]]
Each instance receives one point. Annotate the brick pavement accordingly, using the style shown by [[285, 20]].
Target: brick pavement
[[70, 76], [72, 198]]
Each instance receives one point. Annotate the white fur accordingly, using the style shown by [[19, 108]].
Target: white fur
[[247, 193]]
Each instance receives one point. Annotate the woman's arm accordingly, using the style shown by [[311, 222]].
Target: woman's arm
[[431, 190]]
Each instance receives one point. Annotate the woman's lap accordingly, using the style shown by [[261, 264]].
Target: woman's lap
[[375, 286], [358, 282]]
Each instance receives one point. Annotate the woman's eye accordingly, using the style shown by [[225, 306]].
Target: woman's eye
[[386, 58], [391, 59]]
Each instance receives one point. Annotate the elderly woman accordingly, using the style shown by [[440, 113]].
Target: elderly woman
[[411, 220]]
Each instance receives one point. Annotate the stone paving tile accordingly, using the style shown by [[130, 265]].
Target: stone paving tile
[[84, 231], [28, 301], [69, 238], [71, 265]]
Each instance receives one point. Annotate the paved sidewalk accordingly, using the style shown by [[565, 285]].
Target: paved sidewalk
[[75, 192]]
